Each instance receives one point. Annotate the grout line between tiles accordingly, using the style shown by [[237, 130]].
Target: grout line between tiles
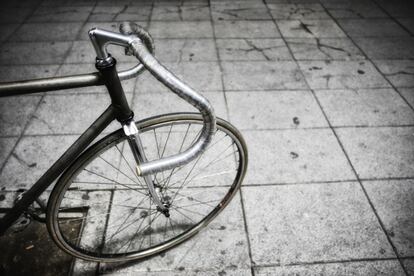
[[369, 59], [344, 151], [392, 17], [241, 129], [34, 8], [332, 262], [350, 162], [228, 117]]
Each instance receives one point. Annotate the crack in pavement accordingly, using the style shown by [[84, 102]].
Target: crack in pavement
[[328, 78], [305, 27], [56, 12], [229, 12], [400, 73], [180, 13], [22, 161], [44, 122], [256, 48], [320, 45], [348, 10], [300, 11], [181, 51]]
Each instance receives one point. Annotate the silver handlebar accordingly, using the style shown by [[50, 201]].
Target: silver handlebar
[[140, 43]]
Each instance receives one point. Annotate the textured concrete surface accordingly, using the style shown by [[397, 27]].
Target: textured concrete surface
[[323, 91]]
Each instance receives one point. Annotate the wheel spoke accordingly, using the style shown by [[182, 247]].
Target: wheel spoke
[[118, 170], [184, 215], [126, 219], [129, 165], [129, 222], [107, 178]]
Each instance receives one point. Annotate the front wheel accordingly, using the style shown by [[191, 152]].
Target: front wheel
[[100, 210]]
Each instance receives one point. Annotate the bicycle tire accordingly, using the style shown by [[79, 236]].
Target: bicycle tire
[[75, 187]]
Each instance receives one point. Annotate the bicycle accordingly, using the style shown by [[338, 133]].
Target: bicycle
[[144, 188]]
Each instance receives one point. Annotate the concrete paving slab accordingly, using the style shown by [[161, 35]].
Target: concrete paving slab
[[342, 74], [25, 253], [262, 75], [372, 28], [278, 110], [23, 4], [394, 203], [188, 29], [409, 266], [380, 152], [366, 107], [178, 50], [14, 14], [354, 9], [304, 223], [7, 198], [81, 267], [253, 49], [146, 105], [108, 3], [387, 47], [293, 1], [31, 158], [69, 114], [408, 23], [120, 13], [182, 3], [26, 72], [292, 156], [399, 72], [298, 11], [181, 272], [60, 14], [222, 246], [202, 76], [19, 111], [242, 10], [229, 272], [32, 53], [30, 32], [180, 13], [246, 29], [310, 28], [54, 3], [324, 49], [6, 146], [265, 89], [398, 9], [6, 29], [368, 268], [408, 94]]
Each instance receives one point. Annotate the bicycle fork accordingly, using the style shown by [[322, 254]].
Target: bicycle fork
[[131, 130]]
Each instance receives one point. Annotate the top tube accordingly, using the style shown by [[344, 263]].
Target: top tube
[[58, 83]]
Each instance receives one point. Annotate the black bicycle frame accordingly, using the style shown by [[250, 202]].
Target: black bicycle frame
[[118, 110]]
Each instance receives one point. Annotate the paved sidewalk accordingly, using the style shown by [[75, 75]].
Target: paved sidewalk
[[323, 92]]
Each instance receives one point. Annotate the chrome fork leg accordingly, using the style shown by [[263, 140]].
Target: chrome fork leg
[[135, 144]]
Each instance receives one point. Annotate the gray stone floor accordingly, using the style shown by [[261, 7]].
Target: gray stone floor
[[323, 92]]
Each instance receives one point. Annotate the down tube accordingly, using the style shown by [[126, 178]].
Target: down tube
[[57, 168]]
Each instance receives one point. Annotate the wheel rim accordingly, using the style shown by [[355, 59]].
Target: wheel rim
[[116, 219]]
